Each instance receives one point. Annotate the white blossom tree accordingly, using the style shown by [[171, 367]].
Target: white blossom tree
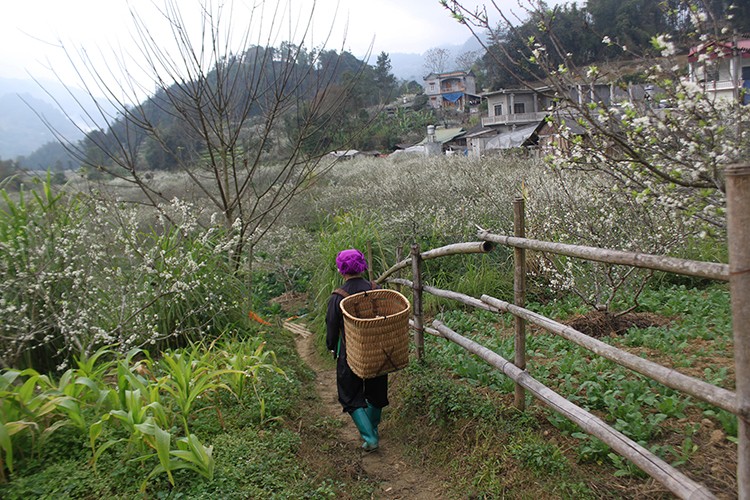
[[246, 122], [667, 149], [634, 172]]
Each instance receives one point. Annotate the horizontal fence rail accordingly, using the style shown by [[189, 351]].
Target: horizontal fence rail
[[674, 480], [671, 378], [454, 249], [448, 294], [710, 270]]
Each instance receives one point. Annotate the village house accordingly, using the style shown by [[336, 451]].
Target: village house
[[452, 90], [722, 68], [516, 116]]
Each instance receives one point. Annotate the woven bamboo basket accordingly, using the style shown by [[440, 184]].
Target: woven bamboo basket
[[376, 323]]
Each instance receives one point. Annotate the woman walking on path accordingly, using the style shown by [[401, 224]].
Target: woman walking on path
[[362, 399]]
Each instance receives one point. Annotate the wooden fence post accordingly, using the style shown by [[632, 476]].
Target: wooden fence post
[[519, 297], [416, 269], [738, 234]]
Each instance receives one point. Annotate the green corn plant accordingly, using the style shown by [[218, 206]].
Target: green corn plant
[[132, 375], [190, 454], [91, 372], [159, 440], [199, 458], [246, 361], [136, 413], [7, 431], [136, 401], [189, 376], [27, 406], [94, 366], [258, 362], [69, 395]]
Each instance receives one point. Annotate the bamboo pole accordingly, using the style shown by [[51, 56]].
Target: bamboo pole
[[416, 269], [453, 249], [738, 230], [671, 378], [447, 294], [711, 270], [671, 478], [519, 298]]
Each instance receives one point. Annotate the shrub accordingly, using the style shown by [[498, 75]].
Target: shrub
[[77, 275]]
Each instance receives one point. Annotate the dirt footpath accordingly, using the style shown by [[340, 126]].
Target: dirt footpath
[[387, 466]]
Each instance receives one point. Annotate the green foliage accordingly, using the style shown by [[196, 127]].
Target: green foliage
[[472, 431], [128, 405], [345, 230], [443, 401], [539, 455]]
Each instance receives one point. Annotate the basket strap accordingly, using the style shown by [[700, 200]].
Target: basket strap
[[345, 294]]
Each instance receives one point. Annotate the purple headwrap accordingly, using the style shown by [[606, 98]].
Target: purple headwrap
[[351, 262]]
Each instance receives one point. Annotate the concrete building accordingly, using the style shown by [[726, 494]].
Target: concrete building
[[722, 68], [452, 90]]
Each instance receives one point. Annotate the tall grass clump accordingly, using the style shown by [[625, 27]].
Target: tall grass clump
[[78, 274], [353, 229]]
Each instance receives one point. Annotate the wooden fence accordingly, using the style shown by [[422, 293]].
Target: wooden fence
[[737, 273]]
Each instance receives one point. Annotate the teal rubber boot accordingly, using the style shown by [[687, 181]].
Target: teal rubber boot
[[362, 421], [373, 412]]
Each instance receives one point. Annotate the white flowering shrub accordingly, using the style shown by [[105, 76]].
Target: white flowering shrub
[[581, 208], [77, 275], [433, 200]]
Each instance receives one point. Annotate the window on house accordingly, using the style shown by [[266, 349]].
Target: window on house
[[712, 72], [519, 107], [432, 87], [498, 109]]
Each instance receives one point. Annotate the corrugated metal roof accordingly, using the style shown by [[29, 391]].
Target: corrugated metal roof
[[512, 139], [443, 135]]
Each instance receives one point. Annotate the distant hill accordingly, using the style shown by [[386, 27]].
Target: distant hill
[[411, 66], [22, 131], [23, 103]]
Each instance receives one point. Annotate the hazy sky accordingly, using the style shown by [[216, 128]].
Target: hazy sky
[[30, 30]]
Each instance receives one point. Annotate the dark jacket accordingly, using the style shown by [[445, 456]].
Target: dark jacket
[[335, 318]]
